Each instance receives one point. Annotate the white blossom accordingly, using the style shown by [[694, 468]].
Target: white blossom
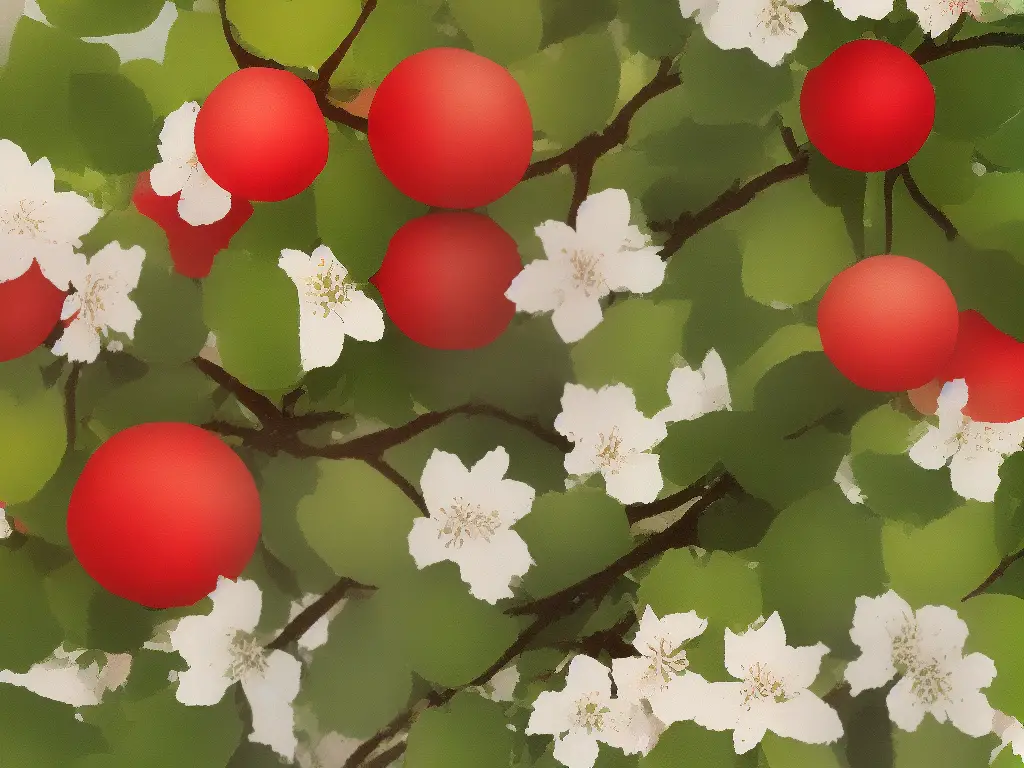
[[101, 303], [471, 516], [937, 16], [38, 223], [584, 713], [975, 450], [60, 677], [329, 751], [871, 9], [926, 648], [847, 483], [697, 8], [330, 306], [202, 201], [5, 525], [662, 663], [316, 635], [603, 253], [221, 649], [769, 28], [773, 693], [612, 437], [1010, 733], [696, 393], [501, 687]]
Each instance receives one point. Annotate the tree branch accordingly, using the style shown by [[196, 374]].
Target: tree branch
[[262, 406], [301, 624], [70, 417], [243, 58], [399, 482], [637, 512], [323, 76], [929, 50], [947, 227], [995, 575]]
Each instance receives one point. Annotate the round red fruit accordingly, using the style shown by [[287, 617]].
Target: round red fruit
[[261, 136], [888, 323], [444, 279], [160, 511], [31, 310], [451, 129], [868, 106]]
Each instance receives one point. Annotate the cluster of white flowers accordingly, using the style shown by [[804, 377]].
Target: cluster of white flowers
[[771, 29], [771, 691]]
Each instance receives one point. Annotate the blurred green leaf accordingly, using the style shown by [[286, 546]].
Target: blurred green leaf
[[571, 87], [995, 623], [113, 121], [358, 522], [896, 488], [97, 18], [290, 223], [687, 742], [529, 204], [27, 610], [296, 33], [503, 32], [939, 745], [563, 556], [942, 170], [790, 753], [33, 439], [565, 18], [976, 93], [818, 556], [469, 732], [42, 733], [882, 430], [252, 307], [787, 342], [693, 448], [991, 218], [197, 55], [654, 28], [166, 393]]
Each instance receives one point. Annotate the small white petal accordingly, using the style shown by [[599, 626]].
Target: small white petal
[[805, 718], [577, 316], [202, 201], [577, 749], [638, 481], [270, 697], [906, 708]]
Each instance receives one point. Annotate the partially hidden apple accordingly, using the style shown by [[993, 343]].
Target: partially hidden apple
[[192, 247], [991, 363], [31, 310]]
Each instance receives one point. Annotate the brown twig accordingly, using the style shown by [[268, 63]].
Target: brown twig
[[637, 512], [947, 226], [995, 575], [310, 615], [929, 50], [399, 481], [261, 406], [323, 76]]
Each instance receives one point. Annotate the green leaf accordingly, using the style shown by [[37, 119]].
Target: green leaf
[[687, 742], [27, 611], [112, 119], [727, 87], [818, 556], [358, 522], [527, 205], [34, 86], [357, 208], [159, 732], [989, 218], [792, 244], [571, 87], [882, 430], [296, 33], [839, 188], [43, 733], [252, 307], [565, 18], [720, 587], [944, 560], [469, 732], [1003, 147], [996, 623], [788, 753], [97, 18], [552, 531], [942, 170], [693, 448], [162, 91], [503, 32], [451, 637], [976, 93], [654, 28], [785, 343], [290, 223], [33, 439], [896, 488], [166, 393], [361, 654], [643, 367], [197, 55], [939, 745]]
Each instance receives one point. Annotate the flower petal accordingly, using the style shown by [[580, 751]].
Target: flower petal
[[361, 318], [425, 546], [577, 316], [805, 718], [638, 481], [444, 477], [270, 698], [540, 287], [975, 474], [321, 338], [638, 272], [578, 749], [202, 201], [489, 567], [905, 707]]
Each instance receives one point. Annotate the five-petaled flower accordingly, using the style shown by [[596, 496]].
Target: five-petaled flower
[[926, 647], [937, 16], [612, 437], [202, 201], [100, 303], [771, 29], [603, 253], [38, 223], [471, 514], [221, 649], [695, 393], [331, 307], [975, 450], [773, 693]]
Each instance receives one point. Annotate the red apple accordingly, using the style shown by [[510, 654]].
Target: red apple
[[31, 310], [868, 106], [444, 279], [192, 247], [161, 510], [888, 323], [991, 363], [451, 129], [261, 136]]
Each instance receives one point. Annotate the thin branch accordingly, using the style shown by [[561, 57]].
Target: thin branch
[[887, 188], [261, 405], [789, 139], [301, 624], [323, 76], [341, 115], [243, 58], [290, 399], [929, 50], [314, 419], [682, 533], [387, 757], [689, 224], [947, 226], [606, 641], [70, 417], [995, 575], [800, 432], [399, 481], [637, 512]]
